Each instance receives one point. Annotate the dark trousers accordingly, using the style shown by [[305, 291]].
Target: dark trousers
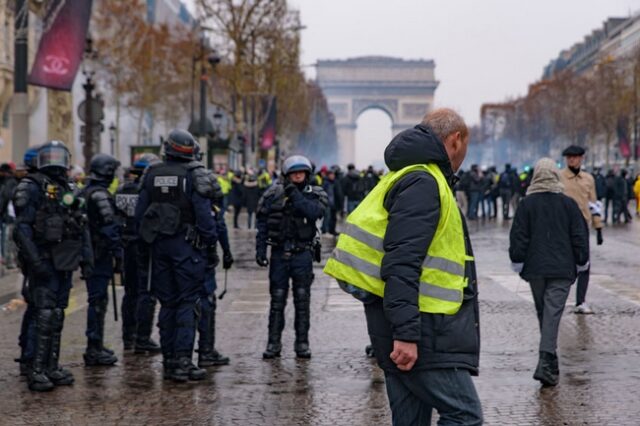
[[608, 202], [98, 296], [550, 296], [474, 202], [207, 305], [178, 274], [297, 268], [415, 394], [57, 289], [146, 306], [130, 298], [505, 195], [237, 208], [582, 285]]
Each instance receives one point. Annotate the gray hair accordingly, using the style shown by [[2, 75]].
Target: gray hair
[[444, 122]]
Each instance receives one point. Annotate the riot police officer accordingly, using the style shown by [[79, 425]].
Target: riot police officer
[[208, 356], [106, 232], [287, 216], [174, 212], [138, 304], [53, 240], [26, 340]]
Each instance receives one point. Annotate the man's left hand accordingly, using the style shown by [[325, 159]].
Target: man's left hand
[[404, 355]]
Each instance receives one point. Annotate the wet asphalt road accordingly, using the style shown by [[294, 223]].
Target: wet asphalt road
[[599, 355]]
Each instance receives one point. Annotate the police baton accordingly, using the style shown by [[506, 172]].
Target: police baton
[[224, 291], [115, 300]]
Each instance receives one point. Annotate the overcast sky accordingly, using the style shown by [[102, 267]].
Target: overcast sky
[[484, 50]]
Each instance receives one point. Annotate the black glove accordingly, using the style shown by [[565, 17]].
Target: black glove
[[289, 189], [212, 258], [261, 260], [227, 260], [599, 239], [118, 265], [41, 271], [86, 270]]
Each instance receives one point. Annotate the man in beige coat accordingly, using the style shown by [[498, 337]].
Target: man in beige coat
[[581, 186]]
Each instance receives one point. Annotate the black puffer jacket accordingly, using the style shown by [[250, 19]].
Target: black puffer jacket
[[444, 341], [550, 236]]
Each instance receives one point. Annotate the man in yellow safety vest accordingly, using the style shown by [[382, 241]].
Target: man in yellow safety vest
[[405, 252]]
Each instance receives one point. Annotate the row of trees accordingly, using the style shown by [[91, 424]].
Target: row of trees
[[150, 67], [597, 109]]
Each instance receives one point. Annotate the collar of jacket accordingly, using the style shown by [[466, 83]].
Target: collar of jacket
[[570, 175]]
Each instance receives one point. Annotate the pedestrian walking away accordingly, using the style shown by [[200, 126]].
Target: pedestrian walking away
[[549, 244], [580, 186], [53, 241], [174, 212], [287, 216], [208, 355], [138, 305], [405, 252], [106, 234]]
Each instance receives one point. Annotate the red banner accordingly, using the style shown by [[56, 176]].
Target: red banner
[[62, 44], [268, 132]]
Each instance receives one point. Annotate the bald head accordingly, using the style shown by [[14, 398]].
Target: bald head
[[451, 129]]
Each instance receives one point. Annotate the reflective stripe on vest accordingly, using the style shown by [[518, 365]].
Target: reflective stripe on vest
[[357, 258]]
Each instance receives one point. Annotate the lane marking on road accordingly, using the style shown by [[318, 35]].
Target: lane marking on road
[[514, 284]]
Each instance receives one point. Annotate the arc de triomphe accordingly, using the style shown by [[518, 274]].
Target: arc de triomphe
[[404, 89]]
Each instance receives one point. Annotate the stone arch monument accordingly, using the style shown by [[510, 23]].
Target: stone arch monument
[[404, 89]]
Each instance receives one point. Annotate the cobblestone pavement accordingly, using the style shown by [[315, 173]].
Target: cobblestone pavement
[[600, 372]]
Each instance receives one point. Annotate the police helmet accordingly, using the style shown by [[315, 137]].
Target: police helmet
[[144, 161], [197, 152], [103, 167], [30, 159], [296, 163], [180, 145], [53, 156]]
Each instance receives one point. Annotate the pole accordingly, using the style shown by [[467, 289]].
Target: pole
[[20, 101], [115, 298], [87, 149], [203, 103], [193, 88]]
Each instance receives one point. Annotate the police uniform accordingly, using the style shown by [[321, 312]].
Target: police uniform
[[53, 241], [207, 354], [106, 232], [138, 304], [174, 213], [287, 216]]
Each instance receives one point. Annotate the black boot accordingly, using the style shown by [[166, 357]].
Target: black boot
[[185, 370], [276, 324], [96, 354], [148, 345], [37, 377], [369, 351], [144, 343], [547, 370], [168, 365], [301, 300], [208, 356], [58, 375]]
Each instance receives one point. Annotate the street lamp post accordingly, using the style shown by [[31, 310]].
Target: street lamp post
[[112, 137]]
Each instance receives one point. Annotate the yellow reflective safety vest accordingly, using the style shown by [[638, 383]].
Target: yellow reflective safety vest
[[357, 258], [225, 185]]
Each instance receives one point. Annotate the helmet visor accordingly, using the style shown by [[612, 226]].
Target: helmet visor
[[53, 156]]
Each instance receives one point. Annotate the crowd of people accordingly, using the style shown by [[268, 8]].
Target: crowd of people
[[478, 191]]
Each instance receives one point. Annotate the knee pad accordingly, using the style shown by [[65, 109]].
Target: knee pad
[[279, 299], [302, 295], [44, 320], [58, 319], [43, 298]]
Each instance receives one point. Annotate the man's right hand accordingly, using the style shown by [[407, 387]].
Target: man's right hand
[[261, 260], [404, 355]]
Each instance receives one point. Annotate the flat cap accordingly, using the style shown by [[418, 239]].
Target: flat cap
[[573, 150]]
